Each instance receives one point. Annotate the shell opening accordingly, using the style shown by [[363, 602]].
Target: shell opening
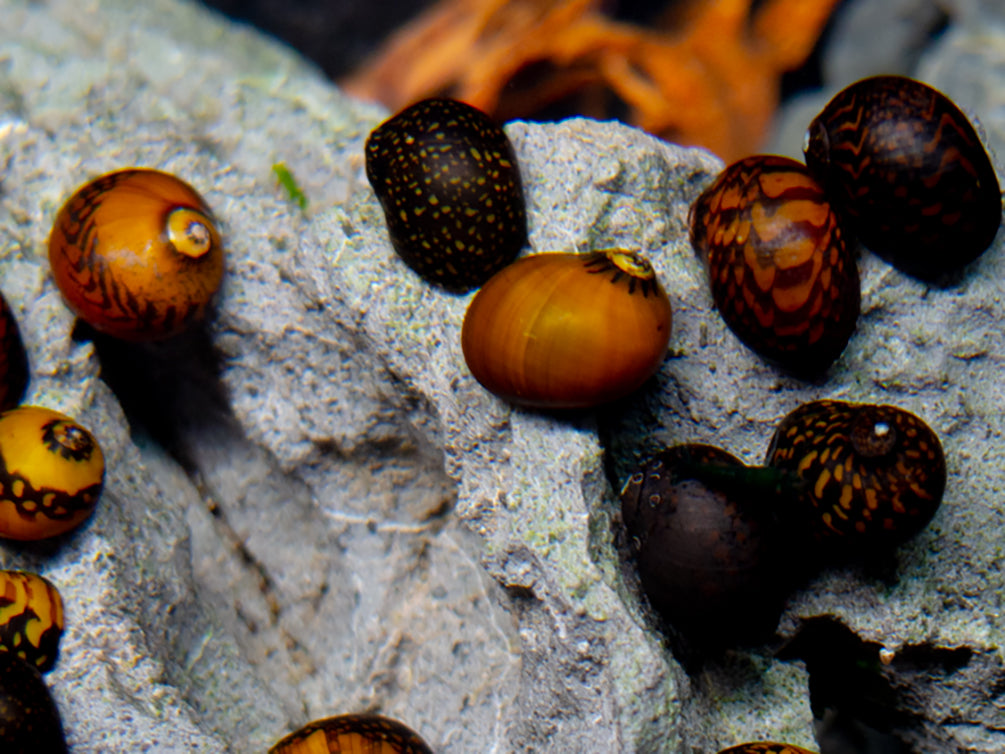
[[873, 437], [69, 440], [189, 232], [631, 263]]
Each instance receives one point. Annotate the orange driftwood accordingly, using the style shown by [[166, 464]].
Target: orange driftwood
[[713, 80]]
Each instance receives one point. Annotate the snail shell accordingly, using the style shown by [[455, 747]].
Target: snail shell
[[31, 618], [568, 330], [29, 718], [13, 359], [707, 553], [447, 179], [765, 747], [51, 473], [907, 168], [353, 733], [136, 254], [872, 474], [780, 271]]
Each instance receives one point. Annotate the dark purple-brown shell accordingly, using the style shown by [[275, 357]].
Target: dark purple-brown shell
[[706, 555], [447, 179], [29, 718], [907, 169], [13, 359], [780, 272], [871, 474]]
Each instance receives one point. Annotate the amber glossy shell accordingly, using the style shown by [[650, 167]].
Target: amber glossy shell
[[780, 271], [137, 254], [13, 359], [51, 473], [353, 734], [29, 718], [905, 165], [765, 747], [447, 179], [31, 618], [871, 474], [568, 330], [707, 551]]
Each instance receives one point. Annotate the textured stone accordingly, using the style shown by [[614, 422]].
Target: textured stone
[[313, 508]]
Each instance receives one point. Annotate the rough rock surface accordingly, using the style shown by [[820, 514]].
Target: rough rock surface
[[313, 508]]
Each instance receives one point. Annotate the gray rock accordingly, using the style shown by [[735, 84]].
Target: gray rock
[[312, 507]]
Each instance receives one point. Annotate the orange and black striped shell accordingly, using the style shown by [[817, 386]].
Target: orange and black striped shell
[[51, 473], [870, 474], [136, 254], [765, 747], [31, 618], [29, 718], [901, 161], [13, 359], [707, 548], [448, 181], [567, 330], [781, 274], [353, 734]]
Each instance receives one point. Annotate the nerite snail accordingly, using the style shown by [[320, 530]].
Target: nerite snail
[[568, 330], [871, 475], [447, 179], [137, 254], [780, 272], [51, 473], [13, 359], [765, 747], [706, 543], [908, 170], [29, 718], [31, 618], [353, 733]]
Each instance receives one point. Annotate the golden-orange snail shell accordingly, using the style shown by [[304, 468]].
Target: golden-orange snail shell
[[566, 330]]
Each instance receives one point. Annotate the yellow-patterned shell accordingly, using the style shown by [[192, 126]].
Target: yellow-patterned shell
[[448, 181], [765, 747], [871, 474], [780, 272], [51, 473], [136, 254], [353, 734], [31, 618]]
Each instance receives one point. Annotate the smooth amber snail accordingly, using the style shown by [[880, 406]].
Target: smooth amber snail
[[765, 747], [706, 543], [568, 330], [870, 474], [51, 473], [780, 271], [373, 734], [136, 254], [447, 179], [907, 168], [31, 618], [13, 359]]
